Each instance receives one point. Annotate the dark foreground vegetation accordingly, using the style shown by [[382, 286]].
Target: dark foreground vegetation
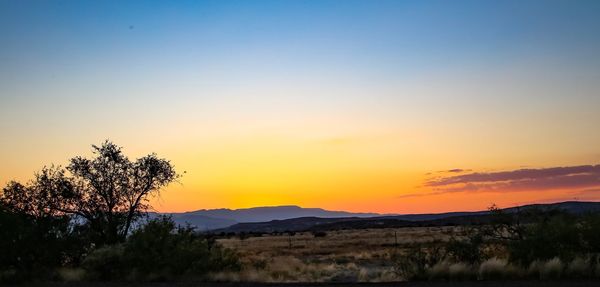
[[86, 222], [530, 244], [529, 283]]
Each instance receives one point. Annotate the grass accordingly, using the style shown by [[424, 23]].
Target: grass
[[368, 256], [340, 256]]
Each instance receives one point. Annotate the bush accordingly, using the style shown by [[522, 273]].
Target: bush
[[461, 272], [446, 270], [415, 263], [496, 269], [439, 271], [71, 274], [466, 250], [579, 268], [552, 269], [106, 263], [32, 247], [590, 233], [160, 251], [554, 237]]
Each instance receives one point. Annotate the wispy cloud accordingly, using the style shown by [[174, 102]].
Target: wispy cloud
[[455, 170], [572, 177]]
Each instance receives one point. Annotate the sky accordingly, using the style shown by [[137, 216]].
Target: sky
[[373, 106]]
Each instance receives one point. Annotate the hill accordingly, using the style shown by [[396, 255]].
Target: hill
[[210, 219], [395, 221]]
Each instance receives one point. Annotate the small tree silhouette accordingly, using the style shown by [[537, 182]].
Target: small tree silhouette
[[109, 191]]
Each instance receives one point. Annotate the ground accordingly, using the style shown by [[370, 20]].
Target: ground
[[394, 284], [339, 256]]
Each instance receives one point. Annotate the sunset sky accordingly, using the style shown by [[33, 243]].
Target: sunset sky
[[374, 106]]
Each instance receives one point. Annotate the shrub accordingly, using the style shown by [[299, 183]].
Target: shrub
[[590, 233], [439, 271], [446, 270], [492, 269], [160, 250], [71, 274], [414, 263], [460, 272], [32, 247], [552, 269], [579, 268], [556, 236], [467, 249], [105, 263], [496, 269]]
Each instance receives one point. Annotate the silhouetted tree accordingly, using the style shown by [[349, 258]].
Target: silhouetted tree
[[109, 191], [20, 238]]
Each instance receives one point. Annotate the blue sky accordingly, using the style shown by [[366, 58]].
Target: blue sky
[[502, 84]]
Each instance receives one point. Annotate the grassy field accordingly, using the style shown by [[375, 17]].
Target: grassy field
[[339, 256]]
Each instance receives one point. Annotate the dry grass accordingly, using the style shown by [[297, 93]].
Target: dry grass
[[71, 274], [349, 255], [368, 256], [355, 242]]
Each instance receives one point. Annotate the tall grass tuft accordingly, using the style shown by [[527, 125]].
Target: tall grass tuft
[[552, 269], [71, 274], [493, 269], [439, 271], [461, 272], [579, 268]]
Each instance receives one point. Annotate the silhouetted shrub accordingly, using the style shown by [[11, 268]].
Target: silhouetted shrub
[[160, 251], [590, 233], [30, 247], [579, 268], [557, 236], [495, 269], [467, 249], [106, 263], [415, 262]]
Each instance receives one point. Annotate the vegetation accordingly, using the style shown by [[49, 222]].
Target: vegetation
[[109, 192], [159, 251], [525, 244], [77, 223], [510, 245]]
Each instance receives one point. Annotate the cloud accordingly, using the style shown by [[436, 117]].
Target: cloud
[[456, 170], [554, 178]]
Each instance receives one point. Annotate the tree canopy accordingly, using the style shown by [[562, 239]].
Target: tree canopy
[[109, 191]]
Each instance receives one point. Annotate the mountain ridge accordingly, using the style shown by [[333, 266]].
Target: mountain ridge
[[408, 220], [293, 217], [210, 219]]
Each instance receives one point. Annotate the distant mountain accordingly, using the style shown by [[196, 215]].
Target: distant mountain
[[395, 221], [209, 219], [200, 222], [261, 214], [293, 224]]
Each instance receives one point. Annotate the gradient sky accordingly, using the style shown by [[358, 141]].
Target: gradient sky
[[385, 106]]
